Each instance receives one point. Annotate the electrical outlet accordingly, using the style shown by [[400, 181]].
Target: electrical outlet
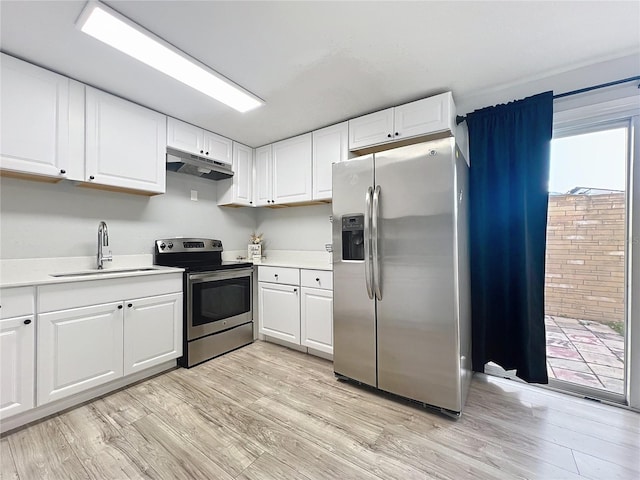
[[194, 195]]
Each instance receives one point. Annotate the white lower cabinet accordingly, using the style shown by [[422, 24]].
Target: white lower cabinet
[[296, 306], [17, 350], [279, 307], [17, 354], [78, 349], [90, 334], [151, 333], [316, 319]]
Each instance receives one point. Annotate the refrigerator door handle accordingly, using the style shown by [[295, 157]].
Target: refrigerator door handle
[[374, 242], [367, 242]]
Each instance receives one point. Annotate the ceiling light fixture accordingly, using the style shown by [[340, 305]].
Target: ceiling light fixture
[[115, 30]]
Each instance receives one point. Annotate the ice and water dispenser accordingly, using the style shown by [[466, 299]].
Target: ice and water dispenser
[[353, 237]]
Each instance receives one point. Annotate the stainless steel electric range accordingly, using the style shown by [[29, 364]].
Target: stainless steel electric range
[[218, 310]]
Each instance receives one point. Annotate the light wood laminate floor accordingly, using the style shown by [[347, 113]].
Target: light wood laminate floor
[[267, 412]]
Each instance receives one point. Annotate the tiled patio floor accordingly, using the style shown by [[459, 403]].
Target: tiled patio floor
[[585, 352]]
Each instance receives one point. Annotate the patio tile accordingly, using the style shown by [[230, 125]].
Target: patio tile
[[609, 360], [613, 384], [589, 338], [552, 329], [604, 371], [557, 335], [571, 326], [562, 352], [599, 327], [595, 348], [614, 337], [567, 320], [617, 344], [550, 371], [554, 342], [573, 365], [618, 353], [578, 377]]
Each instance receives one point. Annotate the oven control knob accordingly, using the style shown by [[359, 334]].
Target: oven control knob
[[162, 246], [170, 246]]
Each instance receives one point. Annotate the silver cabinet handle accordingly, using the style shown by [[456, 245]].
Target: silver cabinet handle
[[374, 242], [367, 242]]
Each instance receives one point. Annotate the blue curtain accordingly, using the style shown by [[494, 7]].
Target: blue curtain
[[508, 186]]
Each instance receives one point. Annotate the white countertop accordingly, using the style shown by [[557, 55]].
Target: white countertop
[[313, 260], [39, 271]]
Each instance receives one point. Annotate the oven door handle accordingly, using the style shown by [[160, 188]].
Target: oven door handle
[[220, 275]]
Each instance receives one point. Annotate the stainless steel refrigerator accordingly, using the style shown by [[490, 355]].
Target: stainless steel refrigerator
[[401, 273]]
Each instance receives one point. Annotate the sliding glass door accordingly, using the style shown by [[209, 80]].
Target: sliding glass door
[[586, 297]]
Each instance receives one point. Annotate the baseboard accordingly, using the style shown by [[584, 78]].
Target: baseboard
[[299, 348]]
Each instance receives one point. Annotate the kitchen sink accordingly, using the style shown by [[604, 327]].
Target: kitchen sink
[[102, 272]]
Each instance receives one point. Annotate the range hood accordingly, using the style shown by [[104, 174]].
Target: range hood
[[183, 162]]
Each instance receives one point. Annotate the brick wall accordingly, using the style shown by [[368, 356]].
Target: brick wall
[[585, 257]]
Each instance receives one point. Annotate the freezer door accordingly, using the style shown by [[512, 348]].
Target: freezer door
[[417, 327], [354, 327]]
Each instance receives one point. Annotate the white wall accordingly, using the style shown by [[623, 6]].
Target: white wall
[[61, 220], [295, 228], [561, 82]]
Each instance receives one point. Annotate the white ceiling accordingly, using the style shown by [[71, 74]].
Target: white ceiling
[[317, 63]]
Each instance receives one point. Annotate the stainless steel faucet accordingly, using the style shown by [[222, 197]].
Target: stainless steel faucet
[[103, 241]]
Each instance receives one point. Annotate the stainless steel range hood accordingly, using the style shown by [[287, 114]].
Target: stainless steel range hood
[[183, 162]]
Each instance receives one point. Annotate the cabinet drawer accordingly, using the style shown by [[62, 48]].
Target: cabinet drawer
[[61, 296], [316, 279], [289, 276], [16, 302]]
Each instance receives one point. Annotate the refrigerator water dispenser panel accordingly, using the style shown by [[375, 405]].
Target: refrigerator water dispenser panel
[[353, 237]]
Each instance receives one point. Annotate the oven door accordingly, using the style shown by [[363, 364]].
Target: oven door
[[218, 301]]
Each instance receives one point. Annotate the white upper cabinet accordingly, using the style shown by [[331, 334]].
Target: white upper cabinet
[[125, 144], [218, 148], [428, 116], [292, 170], [191, 139], [185, 137], [238, 190], [329, 146], [371, 129], [34, 126], [263, 186]]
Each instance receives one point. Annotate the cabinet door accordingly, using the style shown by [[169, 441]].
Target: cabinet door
[[279, 311], [423, 117], [238, 190], [292, 170], [217, 148], [264, 176], [316, 319], [242, 174], [329, 147], [371, 129], [185, 137], [125, 144], [152, 331], [17, 365], [78, 349], [34, 119]]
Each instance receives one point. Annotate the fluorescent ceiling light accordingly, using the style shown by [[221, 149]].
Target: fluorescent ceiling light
[[122, 34]]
